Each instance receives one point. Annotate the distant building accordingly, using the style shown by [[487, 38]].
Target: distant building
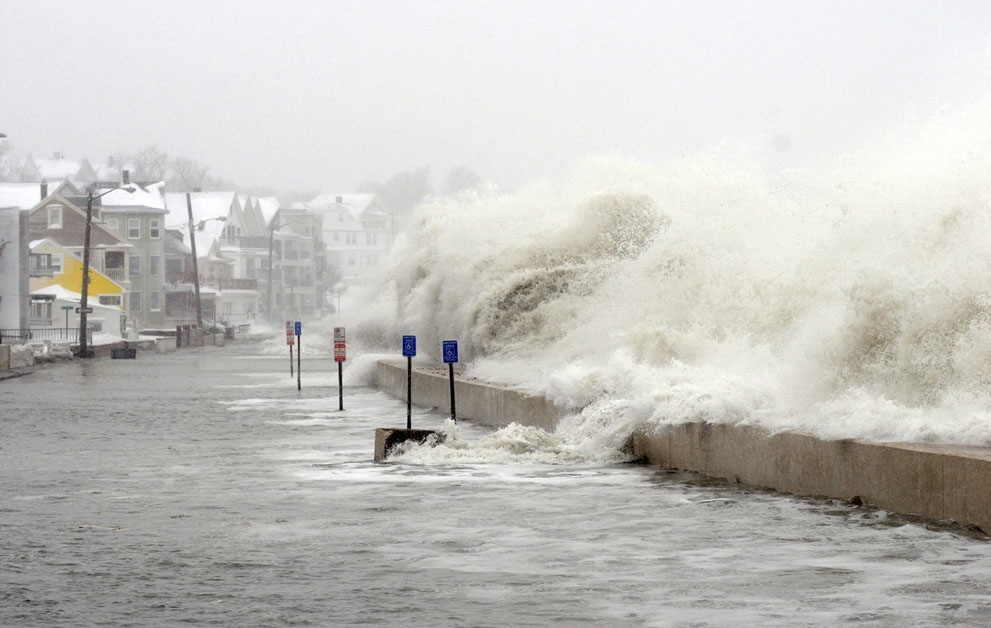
[[358, 231], [57, 168], [229, 243], [298, 286]]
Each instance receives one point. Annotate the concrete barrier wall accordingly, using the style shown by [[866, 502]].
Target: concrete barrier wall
[[936, 482], [475, 401], [4, 357]]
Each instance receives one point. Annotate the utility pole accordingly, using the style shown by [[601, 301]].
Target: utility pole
[[84, 299], [84, 308], [271, 245], [196, 267]]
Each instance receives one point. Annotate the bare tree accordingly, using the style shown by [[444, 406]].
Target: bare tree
[[188, 174], [403, 191], [461, 179], [148, 164]]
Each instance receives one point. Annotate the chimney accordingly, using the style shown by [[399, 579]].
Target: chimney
[[44, 190], [126, 176], [340, 200]]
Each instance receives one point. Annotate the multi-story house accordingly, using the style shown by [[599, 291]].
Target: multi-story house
[[180, 296], [62, 219], [228, 294], [127, 242], [358, 231], [137, 217], [297, 288]]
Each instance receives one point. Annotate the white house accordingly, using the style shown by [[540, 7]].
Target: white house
[[358, 232]]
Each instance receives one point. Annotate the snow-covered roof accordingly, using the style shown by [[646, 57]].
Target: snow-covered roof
[[206, 205], [59, 292], [150, 197], [355, 204], [268, 205], [20, 195], [46, 242], [57, 168]]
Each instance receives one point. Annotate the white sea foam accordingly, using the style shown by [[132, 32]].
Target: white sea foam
[[849, 303]]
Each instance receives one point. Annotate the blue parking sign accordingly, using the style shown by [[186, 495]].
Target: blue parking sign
[[409, 346], [450, 351], [299, 328]]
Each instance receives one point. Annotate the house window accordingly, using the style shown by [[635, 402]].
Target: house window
[[41, 262], [155, 265], [155, 301], [337, 237], [135, 301], [41, 310], [133, 228], [134, 265], [113, 224], [351, 259], [45, 263], [55, 217], [110, 299], [154, 229]]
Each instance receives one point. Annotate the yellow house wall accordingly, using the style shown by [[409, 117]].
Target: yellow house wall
[[71, 279]]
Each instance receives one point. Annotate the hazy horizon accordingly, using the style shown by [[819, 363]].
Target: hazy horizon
[[327, 96]]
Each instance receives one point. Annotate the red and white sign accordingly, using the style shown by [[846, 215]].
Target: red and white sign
[[340, 352], [290, 333]]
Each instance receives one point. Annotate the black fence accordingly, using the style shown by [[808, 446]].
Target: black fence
[[40, 334]]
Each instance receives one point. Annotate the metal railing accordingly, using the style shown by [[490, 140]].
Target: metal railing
[[231, 284], [40, 334]]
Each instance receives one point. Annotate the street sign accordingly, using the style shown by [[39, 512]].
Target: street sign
[[290, 337], [299, 328], [84, 310], [409, 346], [66, 307], [340, 352], [450, 351]]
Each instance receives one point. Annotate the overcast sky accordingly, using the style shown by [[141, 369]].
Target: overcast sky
[[325, 95]]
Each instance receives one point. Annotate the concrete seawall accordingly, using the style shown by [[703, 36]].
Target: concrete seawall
[[476, 401], [931, 481]]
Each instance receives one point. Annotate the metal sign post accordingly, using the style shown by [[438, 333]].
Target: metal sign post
[[290, 340], [409, 350], [450, 350], [340, 354], [66, 309], [299, 355]]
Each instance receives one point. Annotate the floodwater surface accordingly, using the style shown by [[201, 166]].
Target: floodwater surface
[[201, 488]]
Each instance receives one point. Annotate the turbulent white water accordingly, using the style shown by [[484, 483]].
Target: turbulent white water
[[851, 302]]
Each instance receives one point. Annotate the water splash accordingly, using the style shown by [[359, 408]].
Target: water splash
[[851, 302]]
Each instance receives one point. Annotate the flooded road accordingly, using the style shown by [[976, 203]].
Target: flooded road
[[201, 488]]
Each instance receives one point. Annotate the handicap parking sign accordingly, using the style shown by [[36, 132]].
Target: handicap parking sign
[[409, 346], [450, 351]]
